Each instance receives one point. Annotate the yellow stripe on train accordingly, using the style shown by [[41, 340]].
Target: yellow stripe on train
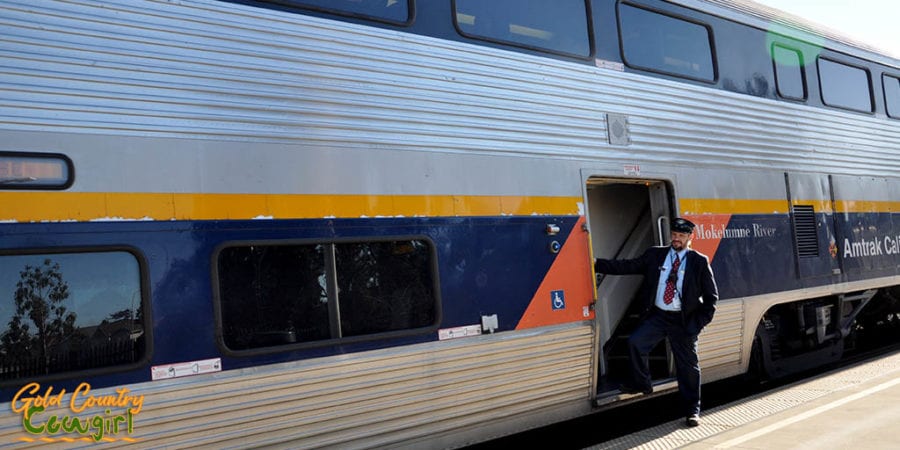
[[85, 206], [695, 206]]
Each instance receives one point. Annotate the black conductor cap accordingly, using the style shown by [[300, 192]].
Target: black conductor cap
[[682, 225]]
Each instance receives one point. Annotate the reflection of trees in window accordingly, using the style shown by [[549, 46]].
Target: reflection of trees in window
[[130, 314], [42, 336], [39, 298]]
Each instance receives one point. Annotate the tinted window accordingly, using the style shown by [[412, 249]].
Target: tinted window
[[390, 10], [789, 72], [384, 286], [892, 95], [844, 86], [67, 312], [665, 44], [554, 25], [273, 295]]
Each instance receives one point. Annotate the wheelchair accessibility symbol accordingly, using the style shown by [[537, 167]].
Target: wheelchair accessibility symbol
[[558, 300]]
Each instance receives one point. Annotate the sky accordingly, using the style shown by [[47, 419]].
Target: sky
[[874, 22]]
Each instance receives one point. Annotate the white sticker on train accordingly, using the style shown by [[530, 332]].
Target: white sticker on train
[[184, 369]]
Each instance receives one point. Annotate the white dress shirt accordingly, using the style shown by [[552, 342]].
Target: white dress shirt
[[664, 275]]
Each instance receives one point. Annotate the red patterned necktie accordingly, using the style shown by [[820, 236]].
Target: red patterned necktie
[[669, 294]]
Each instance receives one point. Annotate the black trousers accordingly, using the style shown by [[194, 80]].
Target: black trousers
[[656, 327]]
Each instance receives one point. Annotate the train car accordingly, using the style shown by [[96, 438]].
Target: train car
[[371, 223]]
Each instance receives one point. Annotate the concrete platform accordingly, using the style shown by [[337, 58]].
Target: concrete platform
[[857, 408]]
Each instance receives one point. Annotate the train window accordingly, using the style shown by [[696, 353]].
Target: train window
[[274, 295], [845, 86], [384, 286], [27, 170], [892, 95], [396, 11], [661, 43], [69, 312], [789, 72], [559, 26]]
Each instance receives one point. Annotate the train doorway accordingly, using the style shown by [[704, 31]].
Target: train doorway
[[625, 217]]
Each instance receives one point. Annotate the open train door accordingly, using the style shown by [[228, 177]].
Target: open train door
[[625, 217]]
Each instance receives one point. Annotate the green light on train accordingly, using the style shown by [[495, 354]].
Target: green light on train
[[777, 37]]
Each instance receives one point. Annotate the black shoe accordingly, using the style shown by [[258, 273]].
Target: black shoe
[[629, 389], [693, 420]]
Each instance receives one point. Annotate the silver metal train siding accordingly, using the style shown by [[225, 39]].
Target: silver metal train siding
[[211, 111]]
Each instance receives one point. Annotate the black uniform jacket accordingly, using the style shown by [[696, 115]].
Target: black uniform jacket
[[699, 292]]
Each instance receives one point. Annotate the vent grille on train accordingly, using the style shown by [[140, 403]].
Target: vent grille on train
[[805, 231]]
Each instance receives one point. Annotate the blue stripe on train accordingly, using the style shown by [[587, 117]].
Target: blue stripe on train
[[486, 266], [759, 254]]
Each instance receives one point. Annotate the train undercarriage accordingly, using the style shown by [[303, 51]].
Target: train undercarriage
[[798, 336]]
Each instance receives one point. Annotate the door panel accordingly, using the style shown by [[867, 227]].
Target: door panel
[[812, 216]]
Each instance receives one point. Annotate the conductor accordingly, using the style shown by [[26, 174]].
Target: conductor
[[677, 299]]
